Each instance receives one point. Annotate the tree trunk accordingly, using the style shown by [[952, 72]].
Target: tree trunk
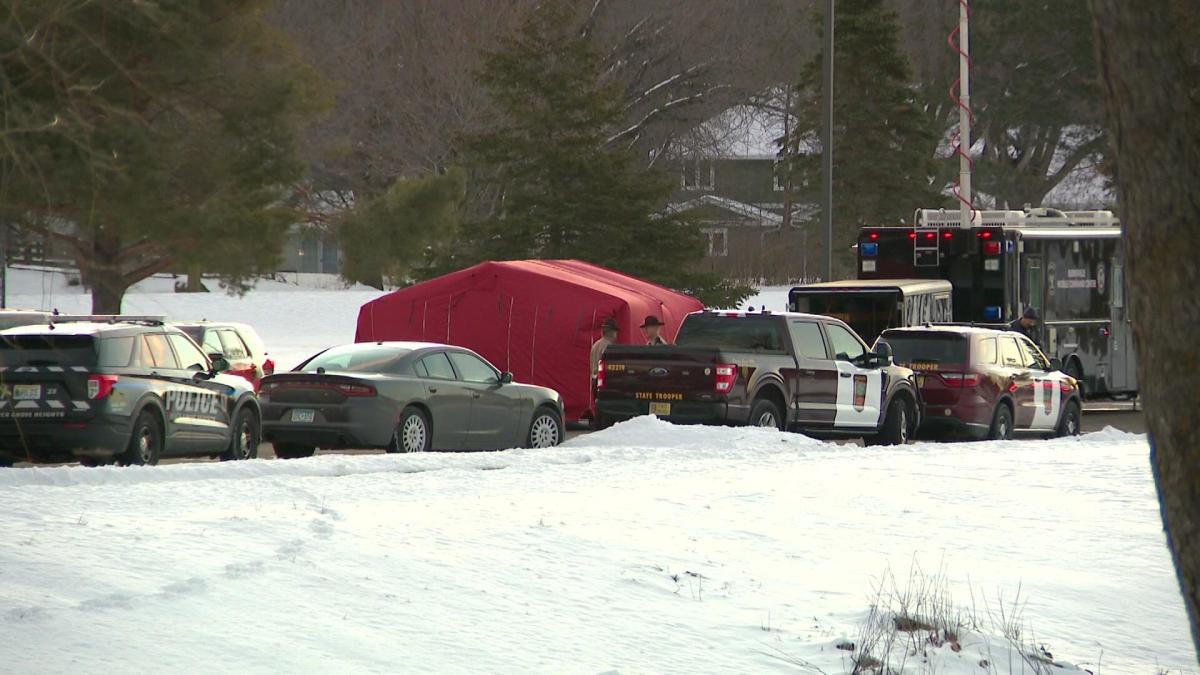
[[195, 280], [1149, 72], [107, 294]]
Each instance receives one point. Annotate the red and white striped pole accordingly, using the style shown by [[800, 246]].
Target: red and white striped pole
[[959, 41]]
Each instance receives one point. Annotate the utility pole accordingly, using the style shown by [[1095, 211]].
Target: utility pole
[[827, 142], [964, 112], [3, 264]]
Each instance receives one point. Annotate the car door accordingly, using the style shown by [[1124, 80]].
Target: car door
[[208, 403], [1046, 399], [814, 386], [859, 390], [448, 399], [494, 413], [1020, 380], [238, 355]]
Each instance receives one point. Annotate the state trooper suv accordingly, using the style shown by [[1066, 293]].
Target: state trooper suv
[[119, 389]]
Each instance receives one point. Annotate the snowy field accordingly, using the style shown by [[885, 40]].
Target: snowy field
[[644, 548], [295, 318]]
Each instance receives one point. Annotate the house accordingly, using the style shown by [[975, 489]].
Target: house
[[729, 184], [310, 249]]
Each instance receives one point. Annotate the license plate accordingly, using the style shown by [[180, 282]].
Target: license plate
[[27, 392], [660, 408], [303, 415]]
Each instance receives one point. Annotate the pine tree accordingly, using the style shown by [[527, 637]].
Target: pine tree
[[559, 191], [148, 137], [385, 237], [881, 133]]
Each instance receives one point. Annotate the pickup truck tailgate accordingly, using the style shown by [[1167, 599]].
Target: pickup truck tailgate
[[660, 373]]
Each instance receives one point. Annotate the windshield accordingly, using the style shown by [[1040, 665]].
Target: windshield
[[928, 350], [47, 350], [750, 333], [357, 359], [869, 314]]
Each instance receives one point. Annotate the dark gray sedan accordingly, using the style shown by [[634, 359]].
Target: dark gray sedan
[[405, 397]]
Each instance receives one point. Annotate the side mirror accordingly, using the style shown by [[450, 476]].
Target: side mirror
[[506, 377], [1056, 364], [884, 352], [219, 364]]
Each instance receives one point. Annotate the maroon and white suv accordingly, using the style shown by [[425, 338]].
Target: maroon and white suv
[[984, 383]]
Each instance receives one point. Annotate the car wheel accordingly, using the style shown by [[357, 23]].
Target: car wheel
[[245, 439], [600, 421], [1070, 422], [293, 451], [145, 445], [764, 413], [546, 429], [896, 425], [1002, 424], [412, 433]]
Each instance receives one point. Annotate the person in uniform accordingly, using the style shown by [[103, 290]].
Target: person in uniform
[[1025, 325], [608, 335], [651, 328]]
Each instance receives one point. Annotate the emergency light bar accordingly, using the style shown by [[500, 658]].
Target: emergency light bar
[[106, 318], [1039, 217]]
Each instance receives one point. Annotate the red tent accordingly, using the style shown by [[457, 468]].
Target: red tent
[[536, 318]]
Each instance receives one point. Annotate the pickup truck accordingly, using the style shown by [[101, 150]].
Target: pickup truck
[[788, 370]]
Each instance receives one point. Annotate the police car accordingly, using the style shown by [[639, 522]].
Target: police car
[[129, 390]]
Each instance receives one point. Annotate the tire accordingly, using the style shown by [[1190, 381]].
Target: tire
[[600, 421], [1002, 424], [413, 433], [896, 425], [145, 443], [247, 434], [293, 451], [765, 413], [546, 429], [1071, 420]]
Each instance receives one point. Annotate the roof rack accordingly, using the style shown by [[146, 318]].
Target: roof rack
[[108, 318]]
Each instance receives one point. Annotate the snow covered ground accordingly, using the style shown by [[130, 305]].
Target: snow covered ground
[[295, 318], [644, 548]]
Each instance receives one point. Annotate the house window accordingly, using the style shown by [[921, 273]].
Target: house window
[[778, 177], [699, 175], [718, 241]]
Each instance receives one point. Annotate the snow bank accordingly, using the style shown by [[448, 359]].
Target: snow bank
[[643, 548]]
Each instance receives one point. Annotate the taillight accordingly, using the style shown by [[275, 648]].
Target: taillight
[[960, 380], [1066, 388], [100, 386], [991, 248], [356, 390], [600, 375], [269, 367], [724, 377]]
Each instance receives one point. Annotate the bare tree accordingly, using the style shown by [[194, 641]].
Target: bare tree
[[1149, 66]]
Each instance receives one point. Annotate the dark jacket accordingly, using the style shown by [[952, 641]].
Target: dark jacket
[[1016, 326]]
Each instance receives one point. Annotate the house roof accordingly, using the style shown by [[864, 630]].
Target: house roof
[[764, 215]]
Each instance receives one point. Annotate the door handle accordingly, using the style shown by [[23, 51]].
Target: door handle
[[844, 374], [809, 372], [474, 394], [433, 390]]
